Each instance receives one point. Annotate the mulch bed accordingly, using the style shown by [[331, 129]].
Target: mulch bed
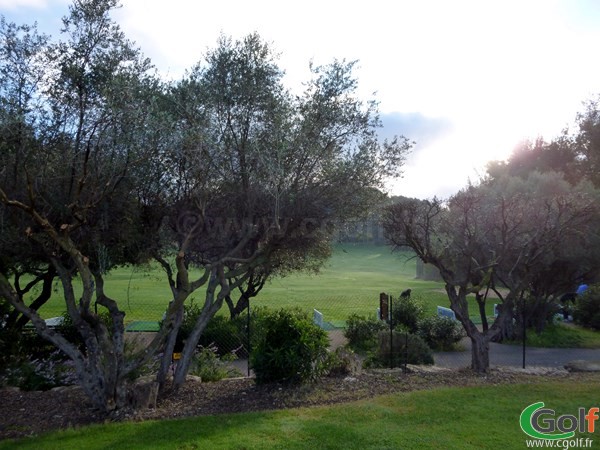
[[29, 413]]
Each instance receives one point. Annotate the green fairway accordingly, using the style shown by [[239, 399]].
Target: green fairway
[[450, 418], [349, 283]]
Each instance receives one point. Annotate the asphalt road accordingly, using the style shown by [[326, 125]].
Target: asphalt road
[[512, 355]]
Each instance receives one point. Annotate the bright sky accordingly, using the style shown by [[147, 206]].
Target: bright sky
[[466, 79]]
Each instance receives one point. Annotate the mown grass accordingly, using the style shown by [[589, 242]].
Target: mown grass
[[349, 283], [466, 418], [563, 336]]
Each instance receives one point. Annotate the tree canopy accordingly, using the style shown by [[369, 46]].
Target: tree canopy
[[225, 171], [521, 238], [576, 155]]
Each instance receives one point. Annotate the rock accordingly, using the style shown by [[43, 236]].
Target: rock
[[194, 378], [583, 366], [10, 389], [532, 370], [411, 368], [142, 395]]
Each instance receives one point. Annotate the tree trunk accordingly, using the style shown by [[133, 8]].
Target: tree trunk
[[480, 353], [16, 320], [481, 303], [480, 358], [167, 357], [504, 323], [211, 307], [239, 307]]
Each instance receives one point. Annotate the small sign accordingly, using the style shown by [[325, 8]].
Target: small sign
[[318, 318], [446, 312], [384, 310]]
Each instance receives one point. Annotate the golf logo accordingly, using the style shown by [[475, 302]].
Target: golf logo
[[541, 423]]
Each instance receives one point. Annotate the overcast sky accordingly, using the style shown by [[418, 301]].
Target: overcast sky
[[467, 80]]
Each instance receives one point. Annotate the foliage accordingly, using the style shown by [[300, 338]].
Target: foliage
[[75, 142], [223, 172], [226, 335], [440, 333], [210, 366], [534, 237], [38, 374], [293, 348], [222, 334], [406, 348], [575, 155], [361, 332], [343, 361], [587, 308], [17, 346], [407, 312], [553, 336], [587, 140]]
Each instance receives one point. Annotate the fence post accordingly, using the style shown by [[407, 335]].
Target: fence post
[[524, 333], [391, 319], [406, 353], [248, 337]]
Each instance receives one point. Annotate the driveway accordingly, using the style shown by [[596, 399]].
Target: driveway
[[512, 355]]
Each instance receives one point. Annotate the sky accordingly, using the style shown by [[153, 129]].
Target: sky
[[468, 80]]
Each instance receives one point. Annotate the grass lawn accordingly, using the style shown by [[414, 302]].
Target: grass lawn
[[350, 282], [451, 418], [563, 336]]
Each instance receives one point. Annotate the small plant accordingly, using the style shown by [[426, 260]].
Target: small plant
[[361, 332], [207, 365], [292, 348], [587, 308], [407, 312], [406, 348], [343, 361], [39, 374], [440, 333]]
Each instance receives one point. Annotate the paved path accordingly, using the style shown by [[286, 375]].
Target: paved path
[[512, 355]]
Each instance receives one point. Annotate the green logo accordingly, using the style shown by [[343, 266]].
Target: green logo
[[540, 423]]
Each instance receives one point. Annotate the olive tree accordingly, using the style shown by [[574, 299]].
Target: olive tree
[[224, 174], [71, 183], [261, 176], [505, 236], [22, 73]]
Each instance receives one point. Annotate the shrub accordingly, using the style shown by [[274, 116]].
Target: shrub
[[407, 312], [39, 374], [440, 333], [225, 335], [406, 348], [292, 349], [343, 361], [361, 332], [221, 333], [207, 365], [587, 308], [21, 344]]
